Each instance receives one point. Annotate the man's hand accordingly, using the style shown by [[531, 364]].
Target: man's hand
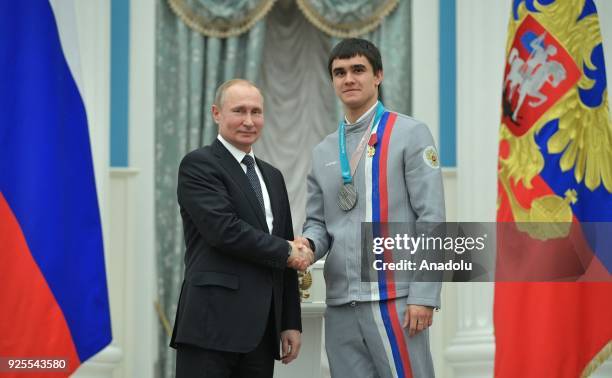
[[301, 256], [417, 318], [291, 342], [302, 241]]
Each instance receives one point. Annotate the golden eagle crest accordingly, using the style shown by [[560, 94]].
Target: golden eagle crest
[[554, 61]]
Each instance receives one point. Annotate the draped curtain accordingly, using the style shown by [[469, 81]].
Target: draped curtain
[[300, 105], [202, 43], [189, 68]]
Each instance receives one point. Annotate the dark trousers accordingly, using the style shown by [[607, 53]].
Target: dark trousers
[[195, 362]]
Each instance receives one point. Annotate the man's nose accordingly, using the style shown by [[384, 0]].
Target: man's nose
[[349, 78], [248, 120]]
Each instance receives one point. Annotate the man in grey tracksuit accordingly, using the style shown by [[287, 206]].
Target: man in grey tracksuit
[[372, 329]]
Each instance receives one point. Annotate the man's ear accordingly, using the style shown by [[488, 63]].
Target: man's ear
[[215, 111], [379, 77]]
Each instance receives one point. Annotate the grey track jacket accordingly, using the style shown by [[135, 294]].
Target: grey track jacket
[[415, 194]]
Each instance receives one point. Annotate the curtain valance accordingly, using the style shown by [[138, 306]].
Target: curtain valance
[[221, 18], [229, 18], [346, 18]]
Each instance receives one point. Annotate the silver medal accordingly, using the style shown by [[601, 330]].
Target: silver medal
[[347, 196]]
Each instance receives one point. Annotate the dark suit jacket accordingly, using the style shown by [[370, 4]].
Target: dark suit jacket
[[233, 267]]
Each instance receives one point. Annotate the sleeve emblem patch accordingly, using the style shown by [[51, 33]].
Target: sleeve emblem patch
[[430, 156]]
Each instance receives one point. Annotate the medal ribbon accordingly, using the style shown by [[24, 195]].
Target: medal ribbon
[[348, 170]]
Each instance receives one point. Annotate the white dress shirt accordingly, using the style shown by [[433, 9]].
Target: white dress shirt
[[239, 155]]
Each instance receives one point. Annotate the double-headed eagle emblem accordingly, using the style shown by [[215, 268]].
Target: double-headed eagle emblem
[[554, 103]]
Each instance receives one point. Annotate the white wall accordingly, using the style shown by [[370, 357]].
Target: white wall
[[133, 208], [143, 319], [93, 34], [125, 195]]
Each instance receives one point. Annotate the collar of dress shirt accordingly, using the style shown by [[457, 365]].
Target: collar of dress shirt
[[236, 153], [364, 115]]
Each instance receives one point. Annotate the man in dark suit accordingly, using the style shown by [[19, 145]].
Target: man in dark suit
[[240, 293]]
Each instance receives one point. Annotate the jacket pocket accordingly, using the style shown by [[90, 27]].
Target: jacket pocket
[[226, 280]]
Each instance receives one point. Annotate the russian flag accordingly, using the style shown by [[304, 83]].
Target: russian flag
[[54, 298], [554, 167]]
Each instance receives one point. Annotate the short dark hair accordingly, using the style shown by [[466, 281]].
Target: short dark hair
[[350, 47]]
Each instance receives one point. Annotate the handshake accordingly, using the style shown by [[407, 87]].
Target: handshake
[[301, 255]]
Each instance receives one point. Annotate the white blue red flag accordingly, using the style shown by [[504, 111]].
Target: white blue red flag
[[54, 299], [555, 189]]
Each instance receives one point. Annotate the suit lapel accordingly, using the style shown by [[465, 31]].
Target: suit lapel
[[230, 164], [274, 192]]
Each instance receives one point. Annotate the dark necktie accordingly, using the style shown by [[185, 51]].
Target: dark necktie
[[253, 179]]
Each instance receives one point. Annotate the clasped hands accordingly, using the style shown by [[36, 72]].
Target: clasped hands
[[301, 255]]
